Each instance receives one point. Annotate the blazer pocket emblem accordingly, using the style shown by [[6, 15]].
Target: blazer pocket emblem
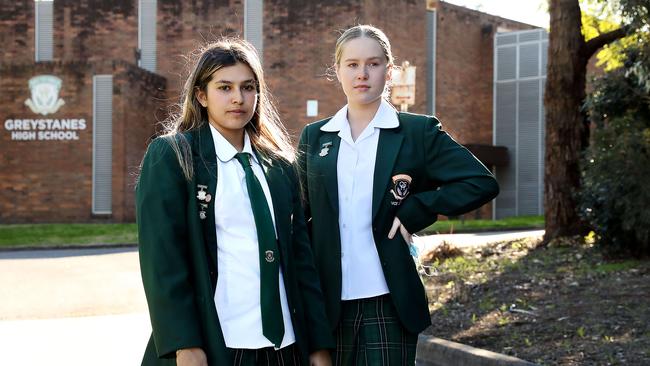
[[401, 188]]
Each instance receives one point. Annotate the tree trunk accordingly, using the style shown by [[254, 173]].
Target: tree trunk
[[566, 131]]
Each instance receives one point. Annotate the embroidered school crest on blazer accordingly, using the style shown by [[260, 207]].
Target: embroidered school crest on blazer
[[401, 188]]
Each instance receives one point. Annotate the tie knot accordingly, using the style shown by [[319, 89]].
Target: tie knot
[[244, 159]]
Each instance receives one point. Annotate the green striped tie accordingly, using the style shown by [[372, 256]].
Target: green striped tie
[[272, 324]]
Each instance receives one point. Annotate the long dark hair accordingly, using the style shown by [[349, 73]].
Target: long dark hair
[[266, 131]]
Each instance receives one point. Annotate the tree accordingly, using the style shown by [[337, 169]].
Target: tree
[[601, 18], [567, 126]]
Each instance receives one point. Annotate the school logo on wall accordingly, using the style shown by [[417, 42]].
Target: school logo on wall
[[45, 100], [45, 94]]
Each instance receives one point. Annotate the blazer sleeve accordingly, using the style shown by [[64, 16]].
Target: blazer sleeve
[[161, 205], [318, 328], [459, 181]]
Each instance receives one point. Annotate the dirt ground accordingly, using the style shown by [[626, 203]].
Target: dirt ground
[[556, 305]]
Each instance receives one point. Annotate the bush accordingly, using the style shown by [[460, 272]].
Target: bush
[[615, 197]]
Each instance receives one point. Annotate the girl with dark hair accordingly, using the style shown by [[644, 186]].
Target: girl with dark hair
[[224, 254]]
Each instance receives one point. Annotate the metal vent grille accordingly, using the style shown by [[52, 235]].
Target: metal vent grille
[[506, 62], [506, 38], [147, 10], [527, 36], [44, 29], [528, 60], [432, 29], [254, 24], [544, 57], [506, 135], [519, 121], [528, 147], [102, 144]]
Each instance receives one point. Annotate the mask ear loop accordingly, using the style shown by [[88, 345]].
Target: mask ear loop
[[428, 271]]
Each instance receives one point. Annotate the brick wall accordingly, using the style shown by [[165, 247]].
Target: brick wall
[[51, 181], [464, 75], [95, 30], [464, 78], [17, 30], [92, 36], [299, 48], [185, 25], [137, 108]]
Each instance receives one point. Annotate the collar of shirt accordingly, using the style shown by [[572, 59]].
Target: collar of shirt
[[225, 150], [385, 117]]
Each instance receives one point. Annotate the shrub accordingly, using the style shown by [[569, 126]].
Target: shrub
[[615, 196]]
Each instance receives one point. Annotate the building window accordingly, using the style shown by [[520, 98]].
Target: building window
[[43, 38], [102, 144], [254, 24], [147, 10]]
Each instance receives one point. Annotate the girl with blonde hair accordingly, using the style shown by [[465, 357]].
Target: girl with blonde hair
[[368, 173]]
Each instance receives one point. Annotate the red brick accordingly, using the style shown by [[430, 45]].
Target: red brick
[[52, 181]]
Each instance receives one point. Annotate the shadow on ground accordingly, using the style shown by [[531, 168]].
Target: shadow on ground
[[62, 253], [558, 305]]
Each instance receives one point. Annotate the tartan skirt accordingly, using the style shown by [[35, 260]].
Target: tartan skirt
[[287, 356], [370, 333]]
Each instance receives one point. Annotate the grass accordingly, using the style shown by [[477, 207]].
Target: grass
[[12, 236], [452, 226], [67, 234], [604, 268]]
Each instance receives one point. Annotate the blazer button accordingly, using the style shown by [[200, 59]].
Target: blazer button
[[293, 310]]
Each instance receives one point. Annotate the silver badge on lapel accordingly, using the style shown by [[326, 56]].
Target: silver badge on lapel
[[203, 197], [325, 149], [401, 188], [202, 194], [269, 256]]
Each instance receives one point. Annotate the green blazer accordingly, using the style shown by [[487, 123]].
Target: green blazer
[[445, 179], [178, 253]]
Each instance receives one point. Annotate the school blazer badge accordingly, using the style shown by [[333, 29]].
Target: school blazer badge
[[401, 188]]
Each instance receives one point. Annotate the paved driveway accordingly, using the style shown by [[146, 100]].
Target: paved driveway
[[72, 307]]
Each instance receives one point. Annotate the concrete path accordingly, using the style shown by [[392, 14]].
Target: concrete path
[[72, 307], [70, 283], [429, 242], [107, 340]]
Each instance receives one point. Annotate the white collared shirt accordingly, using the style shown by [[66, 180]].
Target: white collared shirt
[[362, 274], [237, 297]]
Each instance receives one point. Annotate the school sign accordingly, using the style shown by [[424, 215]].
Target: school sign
[[44, 100]]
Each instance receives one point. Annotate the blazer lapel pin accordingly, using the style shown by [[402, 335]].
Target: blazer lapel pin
[[325, 149], [203, 197], [401, 188]]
